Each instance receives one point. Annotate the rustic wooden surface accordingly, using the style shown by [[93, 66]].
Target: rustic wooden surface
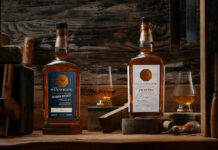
[[98, 140], [100, 32], [141, 125]]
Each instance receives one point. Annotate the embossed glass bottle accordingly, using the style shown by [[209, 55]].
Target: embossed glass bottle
[[61, 90], [146, 77]]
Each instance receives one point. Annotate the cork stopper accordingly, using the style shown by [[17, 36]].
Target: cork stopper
[[146, 23], [146, 19], [61, 29]]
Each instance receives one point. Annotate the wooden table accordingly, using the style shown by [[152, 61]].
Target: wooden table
[[116, 140]]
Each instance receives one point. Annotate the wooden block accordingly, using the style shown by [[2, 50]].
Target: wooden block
[[94, 113], [22, 92], [141, 125], [10, 54], [112, 121], [181, 118], [63, 128], [4, 39], [4, 123], [10, 108]]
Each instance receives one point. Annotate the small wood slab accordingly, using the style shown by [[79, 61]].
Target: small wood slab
[[94, 112], [142, 125], [112, 121], [62, 128]]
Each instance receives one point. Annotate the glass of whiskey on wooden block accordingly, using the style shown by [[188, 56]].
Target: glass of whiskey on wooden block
[[184, 91], [104, 89]]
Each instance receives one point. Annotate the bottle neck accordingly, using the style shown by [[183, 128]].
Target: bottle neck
[[146, 39], [61, 45]]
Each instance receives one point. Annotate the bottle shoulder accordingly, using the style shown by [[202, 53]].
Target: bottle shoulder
[[146, 59], [61, 65]]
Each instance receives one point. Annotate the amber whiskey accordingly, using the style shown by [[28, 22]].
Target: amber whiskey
[[61, 90], [146, 77], [184, 99], [104, 96]]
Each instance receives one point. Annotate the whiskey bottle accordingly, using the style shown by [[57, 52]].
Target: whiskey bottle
[[61, 90], [145, 77]]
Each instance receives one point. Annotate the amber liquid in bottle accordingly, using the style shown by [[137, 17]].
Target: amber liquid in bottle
[[146, 78], [61, 90]]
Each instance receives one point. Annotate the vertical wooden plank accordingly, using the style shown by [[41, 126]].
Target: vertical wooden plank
[[214, 106], [209, 44], [174, 25], [202, 66], [9, 80], [191, 21], [4, 81]]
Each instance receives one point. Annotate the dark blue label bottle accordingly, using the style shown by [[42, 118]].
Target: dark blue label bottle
[[61, 94]]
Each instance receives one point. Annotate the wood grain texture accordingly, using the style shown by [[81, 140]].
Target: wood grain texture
[[100, 32], [10, 54], [98, 141]]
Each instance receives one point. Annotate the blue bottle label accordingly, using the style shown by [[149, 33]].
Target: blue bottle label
[[61, 92]]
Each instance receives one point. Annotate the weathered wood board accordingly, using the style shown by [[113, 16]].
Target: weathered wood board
[[100, 32], [99, 141]]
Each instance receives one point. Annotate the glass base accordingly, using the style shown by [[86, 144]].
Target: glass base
[[104, 103], [184, 108]]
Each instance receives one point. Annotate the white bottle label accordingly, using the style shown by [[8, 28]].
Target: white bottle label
[[146, 88]]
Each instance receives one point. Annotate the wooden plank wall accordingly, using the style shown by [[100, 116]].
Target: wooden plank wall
[[101, 32]]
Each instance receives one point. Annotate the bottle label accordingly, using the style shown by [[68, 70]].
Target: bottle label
[[146, 88], [61, 92]]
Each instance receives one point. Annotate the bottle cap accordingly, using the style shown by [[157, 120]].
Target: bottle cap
[[146, 19], [61, 25]]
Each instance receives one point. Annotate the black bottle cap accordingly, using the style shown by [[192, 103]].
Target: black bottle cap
[[146, 19], [61, 25]]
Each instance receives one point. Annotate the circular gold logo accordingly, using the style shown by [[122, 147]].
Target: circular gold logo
[[146, 75], [61, 80]]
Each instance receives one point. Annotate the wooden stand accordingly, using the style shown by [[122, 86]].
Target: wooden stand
[[62, 128], [141, 125], [112, 121], [93, 113], [9, 109]]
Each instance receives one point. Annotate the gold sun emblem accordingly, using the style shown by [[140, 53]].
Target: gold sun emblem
[[146, 75], [61, 80]]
